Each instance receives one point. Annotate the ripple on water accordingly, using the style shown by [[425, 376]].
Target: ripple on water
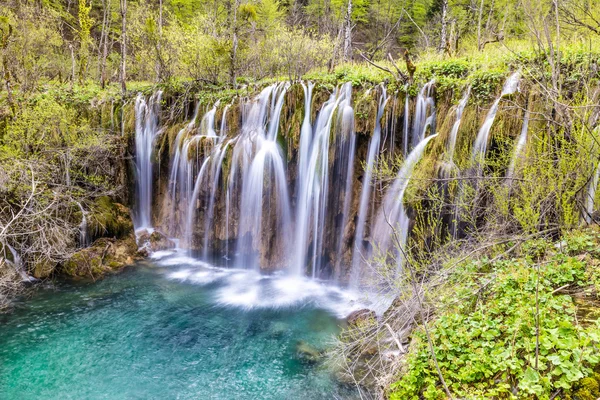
[[180, 329]]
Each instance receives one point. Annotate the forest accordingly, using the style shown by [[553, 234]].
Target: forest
[[349, 199]]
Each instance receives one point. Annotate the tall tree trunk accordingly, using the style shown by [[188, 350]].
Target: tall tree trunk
[[443, 33], [6, 74], [104, 41], [348, 33], [73, 63], [234, 42], [159, 64], [123, 45], [480, 17]]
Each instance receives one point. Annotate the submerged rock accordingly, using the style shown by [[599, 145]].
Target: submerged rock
[[102, 257], [307, 352]]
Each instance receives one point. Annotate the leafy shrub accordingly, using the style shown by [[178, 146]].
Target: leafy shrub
[[485, 84]]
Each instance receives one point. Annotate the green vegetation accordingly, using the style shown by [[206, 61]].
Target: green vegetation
[[509, 310], [511, 325]]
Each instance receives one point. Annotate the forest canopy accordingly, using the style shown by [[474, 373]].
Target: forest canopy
[[77, 41]]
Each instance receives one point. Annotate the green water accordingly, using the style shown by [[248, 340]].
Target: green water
[[144, 335]]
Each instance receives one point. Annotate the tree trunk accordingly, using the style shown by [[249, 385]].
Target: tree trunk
[[6, 74], [72, 64], [479, 26], [104, 41], [159, 64], [348, 33], [123, 45], [443, 33], [234, 43]]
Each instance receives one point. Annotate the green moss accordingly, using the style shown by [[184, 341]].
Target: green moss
[[365, 112], [109, 218], [485, 85]]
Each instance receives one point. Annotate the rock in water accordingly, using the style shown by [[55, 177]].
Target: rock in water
[[155, 241], [104, 256], [307, 353]]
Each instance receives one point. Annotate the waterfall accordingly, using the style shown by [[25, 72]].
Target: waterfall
[[518, 148], [345, 145], [460, 108], [424, 113], [406, 123], [206, 136], [481, 142], [16, 262], [263, 182], [146, 129], [313, 193], [305, 134], [591, 196], [392, 220], [83, 235], [591, 192], [181, 174], [217, 166], [365, 196]]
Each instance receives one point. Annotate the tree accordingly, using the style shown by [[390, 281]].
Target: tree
[[6, 31], [123, 44], [85, 25]]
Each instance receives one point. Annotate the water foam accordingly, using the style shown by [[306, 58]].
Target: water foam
[[248, 289]]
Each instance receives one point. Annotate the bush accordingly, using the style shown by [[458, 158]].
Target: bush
[[486, 344]]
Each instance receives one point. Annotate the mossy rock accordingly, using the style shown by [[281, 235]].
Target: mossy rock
[[365, 110], [109, 219], [43, 268], [587, 388], [104, 256]]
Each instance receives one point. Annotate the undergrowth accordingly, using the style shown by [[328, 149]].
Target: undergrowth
[[486, 337]]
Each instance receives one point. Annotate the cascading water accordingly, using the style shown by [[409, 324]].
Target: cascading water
[[16, 262], [424, 113], [392, 220], [314, 188], [181, 176], [460, 108], [83, 234], [518, 148], [146, 130], [479, 151], [230, 195], [406, 123], [481, 142], [590, 198], [365, 196], [261, 165]]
